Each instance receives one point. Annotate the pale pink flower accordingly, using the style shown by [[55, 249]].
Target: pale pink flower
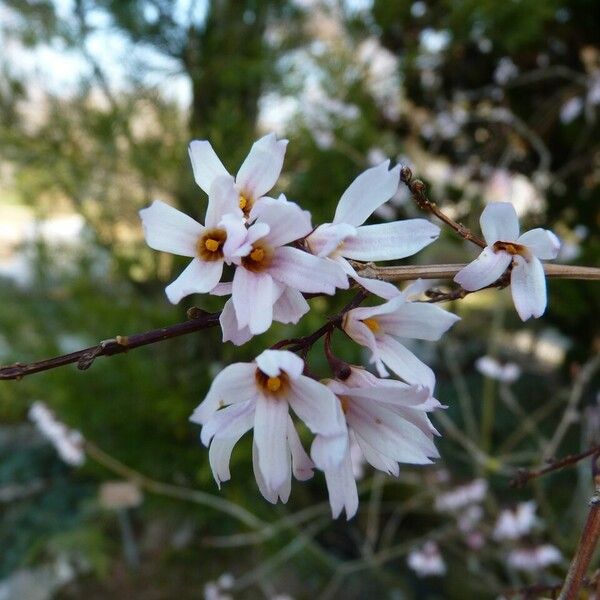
[[534, 558], [347, 238], [513, 524], [506, 372], [379, 328], [258, 395], [209, 246], [500, 227], [257, 175], [427, 560], [462, 496], [387, 420]]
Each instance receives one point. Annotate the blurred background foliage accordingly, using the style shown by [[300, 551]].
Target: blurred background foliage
[[98, 101]]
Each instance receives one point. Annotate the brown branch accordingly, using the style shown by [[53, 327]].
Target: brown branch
[[524, 476]]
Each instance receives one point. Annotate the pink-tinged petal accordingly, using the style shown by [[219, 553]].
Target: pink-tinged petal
[[317, 406], [366, 193], [543, 243], [199, 277], [205, 164], [230, 327], [383, 289], [223, 199], [243, 239], [222, 289], [389, 307], [169, 230], [235, 383], [393, 393], [231, 421], [377, 460], [528, 287], [253, 299], [484, 270], [362, 335], [499, 222], [326, 238], [390, 241], [404, 363], [420, 419], [341, 486], [262, 167], [286, 220], [305, 272], [273, 362], [269, 494], [302, 466], [416, 289], [327, 451], [290, 306], [418, 320], [219, 455], [270, 436]]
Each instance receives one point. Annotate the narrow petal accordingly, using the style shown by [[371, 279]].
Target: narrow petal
[[528, 287], [222, 289], [219, 455], [366, 193], [234, 383], [326, 238], [377, 460], [286, 220], [484, 270], [231, 421], [199, 277], [270, 435], [390, 241], [393, 393], [542, 242], [249, 236], [262, 166], [302, 466], [253, 299], [418, 320], [290, 307], [205, 164], [223, 199], [169, 230], [305, 272], [230, 327], [383, 289], [341, 486], [327, 451], [273, 362], [271, 495], [499, 222]]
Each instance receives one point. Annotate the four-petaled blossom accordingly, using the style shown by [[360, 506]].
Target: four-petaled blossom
[[500, 228], [388, 421], [259, 395], [257, 175], [379, 327], [347, 238]]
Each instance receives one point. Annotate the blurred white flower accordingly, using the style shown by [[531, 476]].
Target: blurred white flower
[[505, 71], [571, 109], [434, 41], [427, 560], [462, 496], [490, 367], [470, 517], [515, 523], [535, 558]]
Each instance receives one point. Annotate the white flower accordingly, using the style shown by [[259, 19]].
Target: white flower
[[508, 372], [259, 395], [427, 560], [535, 558], [571, 109], [470, 493], [469, 517], [379, 327], [387, 420], [513, 524], [347, 238], [210, 245], [67, 442], [500, 227], [257, 175]]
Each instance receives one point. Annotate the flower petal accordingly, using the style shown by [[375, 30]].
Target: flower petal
[[219, 455], [261, 168], [394, 393], [290, 306], [484, 270], [286, 220], [383, 289], [327, 451], [305, 272], [543, 243], [326, 238], [528, 287], [499, 222], [205, 164], [253, 299], [270, 435], [341, 486], [271, 495], [273, 362], [367, 192], [234, 383], [378, 460], [199, 277], [302, 466], [231, 421], [169, 230], [223, 199], [390, 241], [230, 327], [418, 320]]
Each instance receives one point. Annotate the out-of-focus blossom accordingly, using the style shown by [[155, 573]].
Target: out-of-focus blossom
[[259, 395], [460, 497], [468, 519], [475, 540], [68, 443], [505, 71], [535, 558], [571, 109], [515, 523], [217, 590], [500, 227], [504, 185], [434, 41], [506, 372], [427, 561]]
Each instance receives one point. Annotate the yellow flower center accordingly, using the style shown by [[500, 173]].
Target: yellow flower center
[[372, 324], [211, 245], [273, 384], [273, 387], [243, 202], [257, 255]]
